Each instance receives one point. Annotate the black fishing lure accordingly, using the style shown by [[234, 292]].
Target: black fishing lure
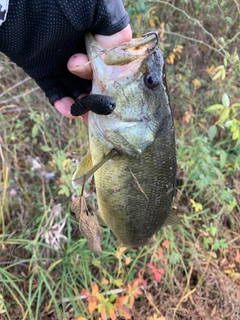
[[96, 103]]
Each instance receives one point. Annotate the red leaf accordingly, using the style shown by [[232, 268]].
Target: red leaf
[[141, 280], [112, 314], [237, 258], [160, 253], [151, 267], [120, 301], [92, 306], [94, 289], [104, 314], [120, 304], [156, 272], [85, 292], [131, 301], [166, 243]]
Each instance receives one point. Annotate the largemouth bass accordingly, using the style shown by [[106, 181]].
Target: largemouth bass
[[132, 150]]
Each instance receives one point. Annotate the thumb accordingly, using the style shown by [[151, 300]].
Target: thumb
[[78, 63]]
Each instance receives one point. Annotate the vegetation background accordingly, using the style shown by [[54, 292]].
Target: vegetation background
[[189, 272]]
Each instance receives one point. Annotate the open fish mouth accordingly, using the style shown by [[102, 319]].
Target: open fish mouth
[[128, 52]]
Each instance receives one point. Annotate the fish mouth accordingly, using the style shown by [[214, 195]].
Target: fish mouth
[[120, 63], [124, 53], [130, 51]]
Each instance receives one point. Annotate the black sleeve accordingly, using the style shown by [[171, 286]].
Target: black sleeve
[[41, 35], [105, 17]]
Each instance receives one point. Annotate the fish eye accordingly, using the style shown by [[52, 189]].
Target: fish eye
[[151, 80]]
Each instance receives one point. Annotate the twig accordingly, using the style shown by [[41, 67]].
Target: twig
[[194, 40], [150, 300], [11, 108], [14, 86], [233, 38], [185, 295], [221, 48], [138, 184], [21, 95], [83, 297]]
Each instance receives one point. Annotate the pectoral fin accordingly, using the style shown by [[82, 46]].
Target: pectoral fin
[[85, 169], [81, 175]]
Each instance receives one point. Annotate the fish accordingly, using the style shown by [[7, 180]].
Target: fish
[[132, 150]]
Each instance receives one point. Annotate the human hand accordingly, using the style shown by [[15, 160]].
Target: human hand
[[41, 40], [77, 64]]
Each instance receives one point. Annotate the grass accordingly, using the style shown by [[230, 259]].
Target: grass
[[187, 272]]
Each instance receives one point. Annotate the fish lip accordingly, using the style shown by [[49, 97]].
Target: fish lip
[[128, 51], [140, 42], [156, 33]]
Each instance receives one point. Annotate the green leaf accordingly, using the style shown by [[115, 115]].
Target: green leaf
[[223, 74], [227, 54], [224, 114], [46, 148], [234, 126], [225, 100], [217, 75], [235, 134], [34, 130], [112, 297], [228, 123], [236, 105], [229, 19], [215, 246], [118, 282], [223, 158], [64, 191], [212, 131], [214, 107]]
